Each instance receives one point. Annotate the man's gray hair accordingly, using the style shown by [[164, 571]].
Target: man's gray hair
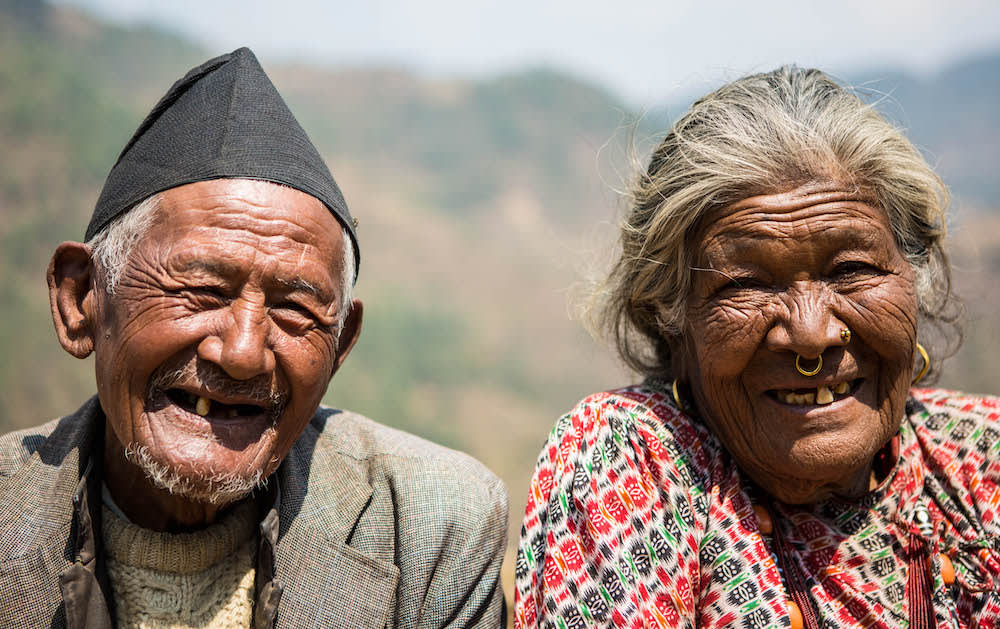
[[762, 134], [111, 247]]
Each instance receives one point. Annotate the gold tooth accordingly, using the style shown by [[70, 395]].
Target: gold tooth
[[841, 388], [823, 395], [203, 406]]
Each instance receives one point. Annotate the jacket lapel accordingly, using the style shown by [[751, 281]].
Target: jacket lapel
[[324, 495], [83, 584], [57, 543]]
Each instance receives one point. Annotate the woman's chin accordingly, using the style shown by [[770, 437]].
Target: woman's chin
[[808, 489]]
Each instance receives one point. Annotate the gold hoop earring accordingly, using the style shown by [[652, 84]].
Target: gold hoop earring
[[808, 372], [927, 364], [677, 397]]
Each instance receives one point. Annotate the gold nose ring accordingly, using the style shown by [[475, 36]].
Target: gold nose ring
[[845, 335], [808, 372]]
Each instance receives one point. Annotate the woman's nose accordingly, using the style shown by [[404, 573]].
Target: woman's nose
[[242, 348], [808, 326]]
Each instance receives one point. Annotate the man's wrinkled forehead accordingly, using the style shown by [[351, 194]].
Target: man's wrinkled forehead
[[249, 205], [237, 228]]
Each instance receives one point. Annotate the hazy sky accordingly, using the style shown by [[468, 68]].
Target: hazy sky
[[644, 49]]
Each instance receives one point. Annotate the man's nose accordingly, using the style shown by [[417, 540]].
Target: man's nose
[[241, 348], [808, 326]]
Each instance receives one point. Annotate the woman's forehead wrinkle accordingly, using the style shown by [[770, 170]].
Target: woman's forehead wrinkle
[[744, 233], [735, 248]]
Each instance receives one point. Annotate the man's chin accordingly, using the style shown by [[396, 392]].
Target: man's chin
[[216, 488]]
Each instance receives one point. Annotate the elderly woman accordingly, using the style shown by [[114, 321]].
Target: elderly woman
[[780, 255]]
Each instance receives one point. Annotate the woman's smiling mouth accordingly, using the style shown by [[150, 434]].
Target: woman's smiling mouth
[[816, 396]]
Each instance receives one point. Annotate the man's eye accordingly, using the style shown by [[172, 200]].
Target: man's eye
[[291, 305], [205, 295], [294, 313]]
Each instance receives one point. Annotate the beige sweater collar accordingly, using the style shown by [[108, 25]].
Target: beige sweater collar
[[178, 553]]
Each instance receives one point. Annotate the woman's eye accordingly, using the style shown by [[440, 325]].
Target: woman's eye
[[852, 269], [742, 283]]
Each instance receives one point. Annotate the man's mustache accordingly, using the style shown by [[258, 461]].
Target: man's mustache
[[261, 390]]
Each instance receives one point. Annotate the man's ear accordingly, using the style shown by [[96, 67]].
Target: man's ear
[[71, 298], [348, 334]]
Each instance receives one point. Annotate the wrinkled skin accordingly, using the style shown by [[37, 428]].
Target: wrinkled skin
[[780, 275], [240, 281]]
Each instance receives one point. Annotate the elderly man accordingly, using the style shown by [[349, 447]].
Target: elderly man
[[203, 486]]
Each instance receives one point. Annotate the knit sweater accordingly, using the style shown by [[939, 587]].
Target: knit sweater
[[200, 580]]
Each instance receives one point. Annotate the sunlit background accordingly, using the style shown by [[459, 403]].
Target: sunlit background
[[482, 145]]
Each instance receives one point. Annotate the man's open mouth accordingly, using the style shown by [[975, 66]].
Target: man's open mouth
[[816, 396], [213, 409]]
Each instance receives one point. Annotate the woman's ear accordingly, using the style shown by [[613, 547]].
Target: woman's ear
[[71, 298], [678, 357]]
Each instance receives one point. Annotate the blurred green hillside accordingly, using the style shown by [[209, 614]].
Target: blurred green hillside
[[482, 206]]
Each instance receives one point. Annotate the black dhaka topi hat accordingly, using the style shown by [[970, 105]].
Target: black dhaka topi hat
[[223, 119]]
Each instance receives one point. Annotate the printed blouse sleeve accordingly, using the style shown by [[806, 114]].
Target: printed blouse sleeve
[[612, 524]]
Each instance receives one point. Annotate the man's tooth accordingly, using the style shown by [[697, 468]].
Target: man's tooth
[[232, 413], [785, 396], [841, 388], [823, 395], [203, 406], [808, 398]]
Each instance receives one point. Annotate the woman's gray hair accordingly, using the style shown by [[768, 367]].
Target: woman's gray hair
[[762, 134], [111, 247]]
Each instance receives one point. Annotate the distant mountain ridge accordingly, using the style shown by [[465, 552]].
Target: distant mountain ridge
[[465, 144], [454, 131]]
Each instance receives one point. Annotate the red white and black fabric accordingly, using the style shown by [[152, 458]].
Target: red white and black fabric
[[637, 517]]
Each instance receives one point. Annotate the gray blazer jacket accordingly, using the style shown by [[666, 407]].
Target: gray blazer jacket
[[369, 527]]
